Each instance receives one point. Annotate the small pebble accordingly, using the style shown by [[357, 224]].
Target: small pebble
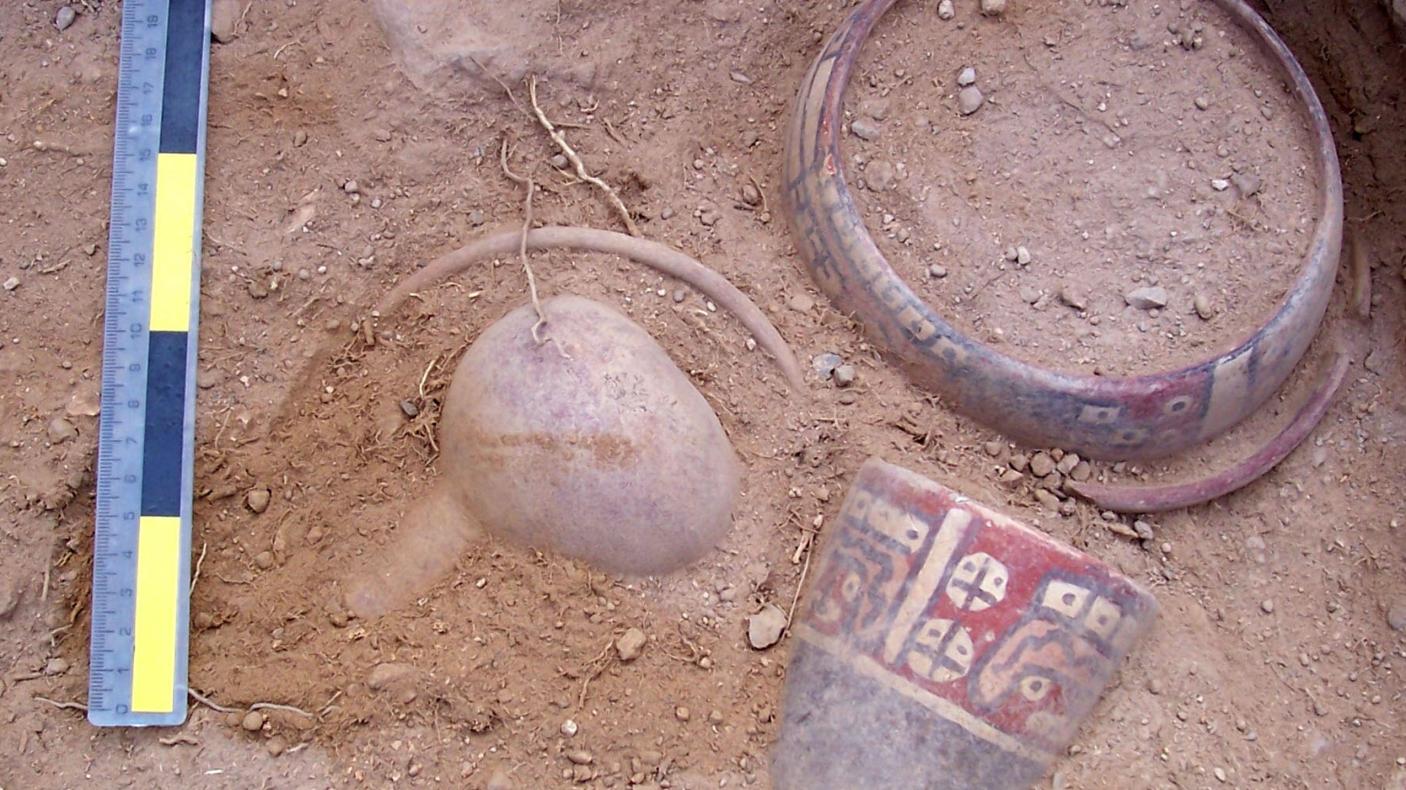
[[10, 594], [569, 728], [559, 161], [258, 499], [1203, 307], [1396, 616], [937, 272], [880, 176], [864, 130], [1073, 297], [1144, 530], [12, 283], [1246, 183], [945, 10], [56, 666], [476, 218], [765, 628], [61, 430], [825, 364], [1202, 102], [253, 721], [1046, 499], [409, 408], [580, 757], [844, 375], [264, 560], [682, 713], [351, 187], [801, 303], [1147, 298], [65, 17], [1219, 184], [969, 99], [966, 76], [993, 7], [994, 449], [1041, 464], [1022, 256], [751, 195], [1267, 606], [630, 644]]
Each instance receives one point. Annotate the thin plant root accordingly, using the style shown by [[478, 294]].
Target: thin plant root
[[531, 186], [1161, 498], [652, 254], [559, 138]]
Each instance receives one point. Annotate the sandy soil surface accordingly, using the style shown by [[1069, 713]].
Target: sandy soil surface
[[1274, 661]]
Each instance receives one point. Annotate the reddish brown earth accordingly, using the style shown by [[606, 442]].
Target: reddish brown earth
[[1274, 663]]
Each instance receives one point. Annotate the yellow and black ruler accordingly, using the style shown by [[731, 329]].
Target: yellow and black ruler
[[142, 539]]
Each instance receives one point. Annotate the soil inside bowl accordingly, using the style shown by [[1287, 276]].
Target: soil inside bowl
[[1134, 192]]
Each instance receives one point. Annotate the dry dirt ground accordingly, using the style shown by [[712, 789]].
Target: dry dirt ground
[[1274, 663]]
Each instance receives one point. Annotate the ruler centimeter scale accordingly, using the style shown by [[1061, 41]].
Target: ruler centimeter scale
[[146, 437]]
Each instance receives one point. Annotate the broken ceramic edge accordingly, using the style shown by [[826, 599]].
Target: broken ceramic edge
[[944, 644]]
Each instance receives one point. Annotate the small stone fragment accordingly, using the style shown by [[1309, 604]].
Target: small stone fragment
[[61, 430], [264, 560], [580, 757], [967, 76], [1246, 183], [825, 364], [880, 176], [969, 99], [258, 499], [569, 728], [1068, 462], [1082, 471], [864, 130], [994, 448], [65, 17], [1022, 256], [1071, 296], [801, 303], [937, 272], [1267, 606], [10, 594], [682, 713], [630, 644], [845, 375], [253, 721], [764, 628], [1219, 184], [1144, 530], [1147, 298], [409, 409], [1012, 479], [751, 195], [224, 19], [1047, 500], [1041, 464], [1395, 615], [276, 746], [1030, 295], [12, 283], [56, 666], [1202, 102], [993, 7], [945, 10]]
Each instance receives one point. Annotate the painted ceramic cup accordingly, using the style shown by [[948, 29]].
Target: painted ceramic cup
[[944, 645]]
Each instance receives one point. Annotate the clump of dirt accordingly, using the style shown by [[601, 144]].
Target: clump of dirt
[[1113, 187]]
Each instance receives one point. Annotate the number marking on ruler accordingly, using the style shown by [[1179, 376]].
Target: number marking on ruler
[[141, 560]]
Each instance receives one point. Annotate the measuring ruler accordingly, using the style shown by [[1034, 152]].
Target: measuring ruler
[[141, 546]]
